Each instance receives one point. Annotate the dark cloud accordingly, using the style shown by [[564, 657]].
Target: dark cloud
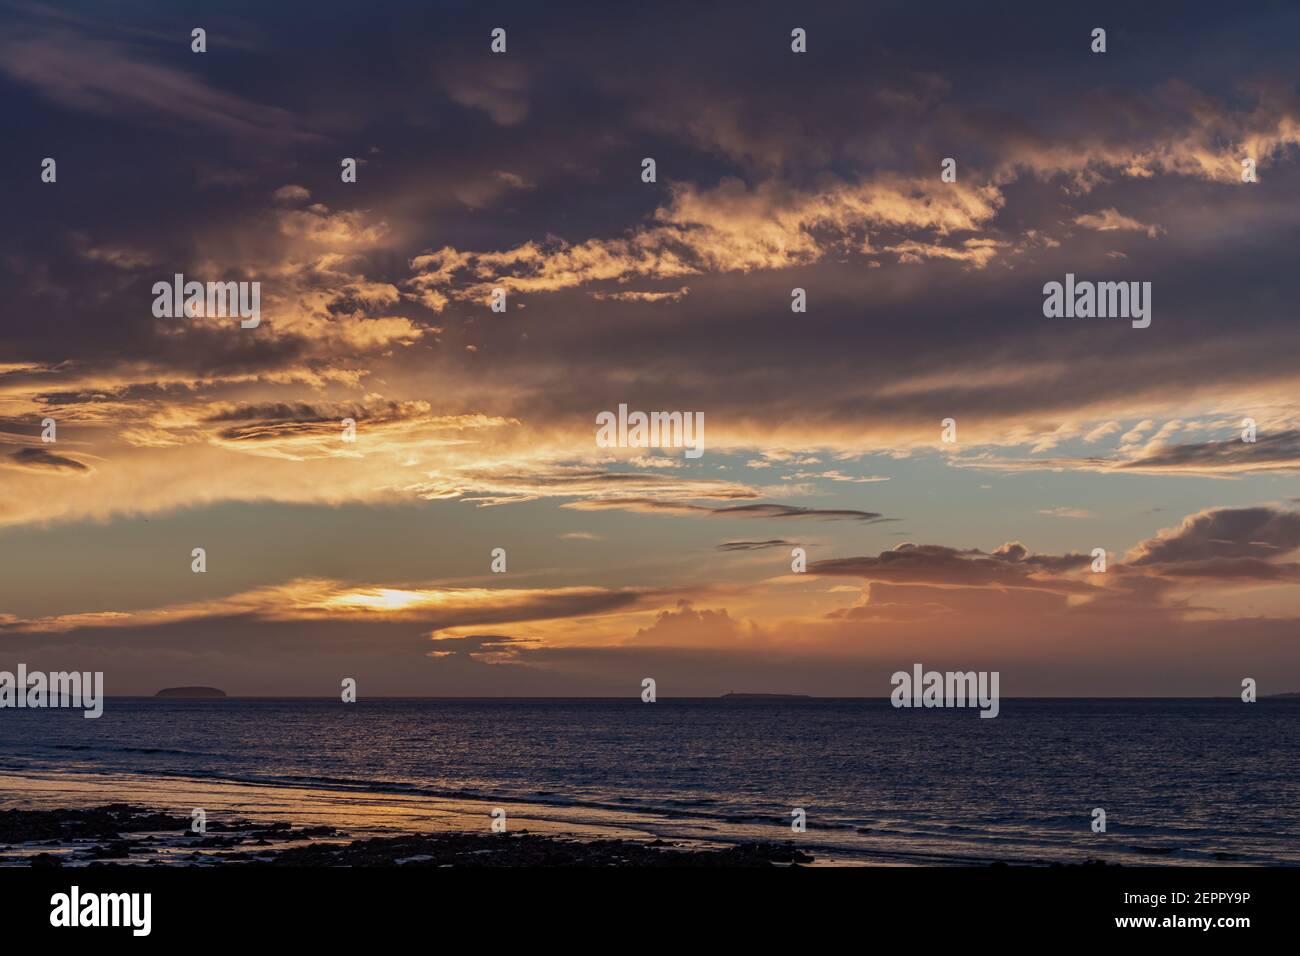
[[498, 648], [662, 506], [1009, 566], [760, 139], [1227, 545], [1222, 537], [754, 545], [790, 511], [1232, 569], [39, 459], [80, 72], [272, 421], [1275, 451]]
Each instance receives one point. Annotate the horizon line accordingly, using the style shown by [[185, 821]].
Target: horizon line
[[770, 696]]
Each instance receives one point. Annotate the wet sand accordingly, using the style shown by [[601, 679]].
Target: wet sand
[[74, 820], [122, 834]]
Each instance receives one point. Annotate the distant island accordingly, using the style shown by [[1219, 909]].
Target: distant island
[[735, 696], [204, 693]]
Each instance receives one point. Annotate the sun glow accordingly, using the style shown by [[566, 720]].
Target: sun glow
[[382, 599]]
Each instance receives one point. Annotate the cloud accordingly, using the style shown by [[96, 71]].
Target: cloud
[[896, 603], [501, 93], [1135, 433], [1173, 130], [834, 474], [292, 195], [1262, 533], [688, 627], [119, 257], [1065, 512], [528, 481], [479, 190], [1104, 430], [318, 224], [1227, 546], [633, 296], [77, 71], [485, 648], [976, 253], [39, 459], [513, 180], [754, 545], [1275, 451], [434, 608], [1111, 220], [300, 430], [1009, 566], [729, 228], [661, 506], [946, 604]]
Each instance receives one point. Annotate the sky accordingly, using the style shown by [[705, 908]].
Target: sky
[[775, 170]]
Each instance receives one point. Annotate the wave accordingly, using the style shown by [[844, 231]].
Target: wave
[[102, 749]]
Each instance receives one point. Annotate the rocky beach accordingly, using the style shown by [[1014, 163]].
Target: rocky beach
[[127, 835]]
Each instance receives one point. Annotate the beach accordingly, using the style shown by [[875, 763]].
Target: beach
[[122, 834], [72, 820]]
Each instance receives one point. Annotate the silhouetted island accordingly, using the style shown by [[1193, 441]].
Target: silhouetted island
[[735, 696], [206, 693]]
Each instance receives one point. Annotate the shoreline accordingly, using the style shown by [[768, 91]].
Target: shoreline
[[68, 818], [131, 835], [416, 825]]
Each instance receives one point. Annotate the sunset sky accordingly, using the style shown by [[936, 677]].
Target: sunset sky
[[476, 430]]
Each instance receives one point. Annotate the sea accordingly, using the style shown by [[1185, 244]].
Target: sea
[[1180, 781]]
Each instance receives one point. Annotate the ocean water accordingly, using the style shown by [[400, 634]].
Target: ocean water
[[1181, 781]]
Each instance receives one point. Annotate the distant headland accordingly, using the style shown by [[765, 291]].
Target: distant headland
[[206, 693], [735, 696]]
